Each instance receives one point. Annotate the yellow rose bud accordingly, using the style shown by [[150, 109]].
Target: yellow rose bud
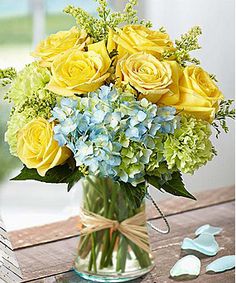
[[135, 38], [78, 72], [37, 148], [57, 43], [152, 78], [199, 95]]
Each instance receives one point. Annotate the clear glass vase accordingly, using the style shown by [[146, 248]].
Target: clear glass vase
[[118, 251]]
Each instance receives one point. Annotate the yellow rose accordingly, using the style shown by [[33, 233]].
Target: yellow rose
[[135, 38], [199, 95], [37, 148], [152, 78], [57, 43], [78, 72]]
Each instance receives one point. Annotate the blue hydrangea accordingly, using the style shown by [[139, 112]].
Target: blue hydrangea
[[111, 133]]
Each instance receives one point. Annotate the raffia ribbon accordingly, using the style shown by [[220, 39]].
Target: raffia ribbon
[[132, 228]]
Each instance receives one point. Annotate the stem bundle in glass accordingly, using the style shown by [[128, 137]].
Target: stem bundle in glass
[[108, 249]]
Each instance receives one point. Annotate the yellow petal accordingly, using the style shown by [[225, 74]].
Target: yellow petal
[[100, 48], [111, 45]]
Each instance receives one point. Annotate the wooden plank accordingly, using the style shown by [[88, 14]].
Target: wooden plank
[[175, 205], [46, 233], [9, 267], [52, 259], [69, 228]]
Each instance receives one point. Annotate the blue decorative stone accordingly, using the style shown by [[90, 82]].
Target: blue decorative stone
[[208, 229], [188, 265], [222, 264], [204, 243]]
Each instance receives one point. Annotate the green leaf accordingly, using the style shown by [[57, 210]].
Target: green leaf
[[73, 179], [154, 181], [58, 174], [175, 186], [135, 194]]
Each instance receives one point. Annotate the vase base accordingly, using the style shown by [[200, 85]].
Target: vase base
[[116, 277]]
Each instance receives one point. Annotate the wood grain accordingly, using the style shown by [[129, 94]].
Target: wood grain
[[9, 267], [47, 262], [67, 229]]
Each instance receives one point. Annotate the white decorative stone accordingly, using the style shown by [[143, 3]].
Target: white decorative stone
[[208, 229], [188, 265], [222, 264], [204, 243]]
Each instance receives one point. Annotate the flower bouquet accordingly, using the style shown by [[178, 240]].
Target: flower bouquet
[[119, 106]]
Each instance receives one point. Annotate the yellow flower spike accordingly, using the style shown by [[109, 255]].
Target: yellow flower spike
[[37, 148]]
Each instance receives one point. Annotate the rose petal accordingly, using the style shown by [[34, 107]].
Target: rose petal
[[208, 229], [204, 243], [221, 264], [188, 265]]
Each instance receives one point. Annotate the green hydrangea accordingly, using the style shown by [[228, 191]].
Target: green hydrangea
[[157, 165], [16, 122], [189, 147], [156, 157], [29, 83], [134, 157], [30, 99]]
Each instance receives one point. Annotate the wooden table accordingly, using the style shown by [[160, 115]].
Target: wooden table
[[46, 253]]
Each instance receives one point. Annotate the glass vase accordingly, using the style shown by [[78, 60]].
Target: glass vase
[[114, 244]]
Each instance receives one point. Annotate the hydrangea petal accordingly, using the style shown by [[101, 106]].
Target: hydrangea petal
[[188, 265], [208, 229], [204, 243], [222, 264]]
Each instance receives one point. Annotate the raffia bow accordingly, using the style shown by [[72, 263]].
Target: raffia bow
[[132, 228]]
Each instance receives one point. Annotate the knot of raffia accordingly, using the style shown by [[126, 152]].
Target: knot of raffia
[[132, 228]]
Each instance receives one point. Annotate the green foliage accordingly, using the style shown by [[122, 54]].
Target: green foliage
[[175, 186], [7, 76], [59, 174], [225, 111], [73, 179], [135, 194], [8, 73], [98, 27], [187, 43]]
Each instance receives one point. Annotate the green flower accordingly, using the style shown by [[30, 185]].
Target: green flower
[[134, 158], [16, 122], [157, 155], [157, 165], [28, 83], [189, 147]]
